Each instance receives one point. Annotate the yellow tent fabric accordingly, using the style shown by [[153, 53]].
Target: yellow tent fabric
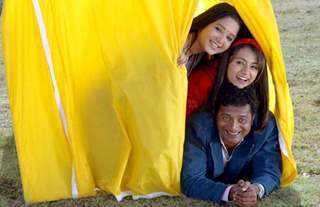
[[97, 99]]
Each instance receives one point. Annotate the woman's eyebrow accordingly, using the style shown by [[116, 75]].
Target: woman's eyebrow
[[238, 57], [221, 25], [241, 58]]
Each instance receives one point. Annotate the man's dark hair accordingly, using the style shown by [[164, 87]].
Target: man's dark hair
[[230, 95]]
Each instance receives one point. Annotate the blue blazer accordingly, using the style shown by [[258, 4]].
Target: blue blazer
[[256, 159]]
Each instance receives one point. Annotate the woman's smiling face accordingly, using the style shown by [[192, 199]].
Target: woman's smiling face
[[243, 68], [217, 37]]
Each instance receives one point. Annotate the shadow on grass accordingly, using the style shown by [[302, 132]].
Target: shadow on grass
[[10, 185], [283, 197]]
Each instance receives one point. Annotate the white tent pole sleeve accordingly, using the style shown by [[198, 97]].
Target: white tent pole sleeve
[[45, 44]]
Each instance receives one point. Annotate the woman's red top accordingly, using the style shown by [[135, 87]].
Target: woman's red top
[[200, 83]]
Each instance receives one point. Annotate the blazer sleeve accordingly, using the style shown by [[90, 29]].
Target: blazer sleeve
[[266, 164], [194, 182]]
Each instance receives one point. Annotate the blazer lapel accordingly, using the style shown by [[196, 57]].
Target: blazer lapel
[[239, 157], [216, 154], [246, 148]]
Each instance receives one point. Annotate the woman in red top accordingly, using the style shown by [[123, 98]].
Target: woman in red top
[[243, 65]]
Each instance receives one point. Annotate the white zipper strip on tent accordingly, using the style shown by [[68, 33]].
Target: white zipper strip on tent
[[124, 194], [47, 51], [282, 143]]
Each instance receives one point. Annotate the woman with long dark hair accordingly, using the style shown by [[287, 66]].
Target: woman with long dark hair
[[212, 32]]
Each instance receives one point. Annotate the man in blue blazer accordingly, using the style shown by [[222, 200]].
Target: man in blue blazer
[[224, 158]]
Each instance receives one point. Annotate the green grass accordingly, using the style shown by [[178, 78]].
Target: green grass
[[11, 193], [300, 38]]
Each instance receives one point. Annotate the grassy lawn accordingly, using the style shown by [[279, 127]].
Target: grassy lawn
[[299, 23]]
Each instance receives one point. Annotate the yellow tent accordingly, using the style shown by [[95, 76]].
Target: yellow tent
[[98, 101]]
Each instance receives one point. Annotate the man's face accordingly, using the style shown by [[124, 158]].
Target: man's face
[[234, 123]]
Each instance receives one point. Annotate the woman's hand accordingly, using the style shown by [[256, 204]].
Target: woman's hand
[[185, 52], [182, 59]]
